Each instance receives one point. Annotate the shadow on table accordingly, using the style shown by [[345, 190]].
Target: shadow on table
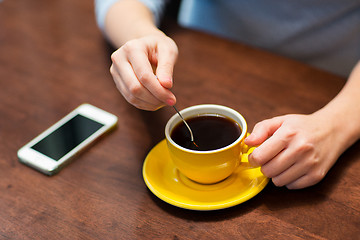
[[209, 216]]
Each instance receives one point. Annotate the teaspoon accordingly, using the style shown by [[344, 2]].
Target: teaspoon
[[188, 127]]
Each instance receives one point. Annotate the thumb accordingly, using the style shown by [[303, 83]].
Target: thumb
[[263, 130], [167, 55]]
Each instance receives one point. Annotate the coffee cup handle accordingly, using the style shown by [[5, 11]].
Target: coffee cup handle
[[245, 152]]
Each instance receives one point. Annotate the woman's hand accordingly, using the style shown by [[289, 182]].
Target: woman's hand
[[133, 67], [296, 151]]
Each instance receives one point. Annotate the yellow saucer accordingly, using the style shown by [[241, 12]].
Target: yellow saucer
[[168, 184]]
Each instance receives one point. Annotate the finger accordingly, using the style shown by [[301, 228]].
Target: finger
[[265, 153], [295, 172], [166, 59], [302, 182], [269, 149], [279, 164], [130, 85], [263, 130], [132, 90], [138, 102], [143, 71], [312, 176]]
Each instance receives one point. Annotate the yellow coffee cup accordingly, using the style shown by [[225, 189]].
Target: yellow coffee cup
[[211, 166]]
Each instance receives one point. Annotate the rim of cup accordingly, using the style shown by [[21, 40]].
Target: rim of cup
[[203, 109]]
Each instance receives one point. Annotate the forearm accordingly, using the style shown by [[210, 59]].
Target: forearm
[[127, 20], [343, 112]]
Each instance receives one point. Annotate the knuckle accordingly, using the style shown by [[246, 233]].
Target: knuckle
[[317, 176], [112, 70], [309, 155], [307, 149], [135, 89], [130, 46], [290, 133], [256, 158], [313, 162], [283, 141], [173, 50], [114, 56], [305, 142], [145, 77], [306, 146]]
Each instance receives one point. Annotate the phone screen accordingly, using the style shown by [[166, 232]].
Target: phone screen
[[67, 137]]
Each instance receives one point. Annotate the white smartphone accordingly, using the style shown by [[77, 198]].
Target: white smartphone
[[56, 146]]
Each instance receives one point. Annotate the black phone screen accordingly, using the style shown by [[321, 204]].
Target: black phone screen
[[69, 135]]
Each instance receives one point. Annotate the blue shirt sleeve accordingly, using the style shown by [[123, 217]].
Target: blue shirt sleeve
[[102, 7]]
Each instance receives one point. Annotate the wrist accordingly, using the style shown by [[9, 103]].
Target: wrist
[[342, 124], [127, 20]]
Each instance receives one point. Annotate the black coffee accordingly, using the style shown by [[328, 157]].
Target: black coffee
[[210, 132]]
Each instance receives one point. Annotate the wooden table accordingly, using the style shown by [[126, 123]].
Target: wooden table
[[53, 58]]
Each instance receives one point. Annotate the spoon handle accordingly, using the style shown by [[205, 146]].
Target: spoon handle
[[191, 134]]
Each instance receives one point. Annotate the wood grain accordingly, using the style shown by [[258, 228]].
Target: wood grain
[[53, 58]]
